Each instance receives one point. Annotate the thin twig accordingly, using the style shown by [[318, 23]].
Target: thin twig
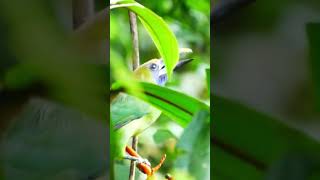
[[135, 64], [135, 40], [133, 163]]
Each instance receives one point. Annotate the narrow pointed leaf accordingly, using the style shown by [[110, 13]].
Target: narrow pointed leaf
[[159, 31], [179, 107]]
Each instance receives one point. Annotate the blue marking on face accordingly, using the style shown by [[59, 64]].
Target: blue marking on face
[[159, 72], [162, 79]]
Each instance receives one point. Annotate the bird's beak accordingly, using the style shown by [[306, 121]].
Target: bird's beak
[[181, 63]]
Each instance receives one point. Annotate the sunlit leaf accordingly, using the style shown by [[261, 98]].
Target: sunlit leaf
[[159, 31]]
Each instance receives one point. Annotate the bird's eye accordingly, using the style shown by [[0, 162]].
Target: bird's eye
[[153, 67]]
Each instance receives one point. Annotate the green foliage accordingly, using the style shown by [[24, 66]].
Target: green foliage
[[256, 139], [178, 106], [159, 31], [194, 147], [162, 135]]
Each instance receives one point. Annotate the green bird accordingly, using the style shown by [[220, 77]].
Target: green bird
[[131, 116]]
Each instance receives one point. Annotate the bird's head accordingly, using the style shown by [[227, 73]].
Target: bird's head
[[154, 71]]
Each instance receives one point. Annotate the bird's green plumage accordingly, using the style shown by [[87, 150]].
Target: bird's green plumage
[[129, 115], [125, 108]]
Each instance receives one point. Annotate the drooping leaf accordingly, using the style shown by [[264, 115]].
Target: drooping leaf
[[194, 147], [179, 107], [256, 140], [158, 30], [226, 166]]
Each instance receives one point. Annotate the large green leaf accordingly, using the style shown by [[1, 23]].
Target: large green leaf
[[176, 105], [255, 142], [159, 31]]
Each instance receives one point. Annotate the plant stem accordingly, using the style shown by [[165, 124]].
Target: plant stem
[[135, 65], [135, 40], [133, 163]]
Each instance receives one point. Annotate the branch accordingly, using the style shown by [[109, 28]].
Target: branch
[[135, 65], [133, 163], [135, 40]]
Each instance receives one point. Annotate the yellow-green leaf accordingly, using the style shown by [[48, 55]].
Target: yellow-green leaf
[[159, 31]]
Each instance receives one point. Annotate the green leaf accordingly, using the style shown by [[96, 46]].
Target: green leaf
[[159, 31], [256, 139], [226, 166], [313, 32], [122, 75], [179, 107], [162, 135], [194, 146]]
